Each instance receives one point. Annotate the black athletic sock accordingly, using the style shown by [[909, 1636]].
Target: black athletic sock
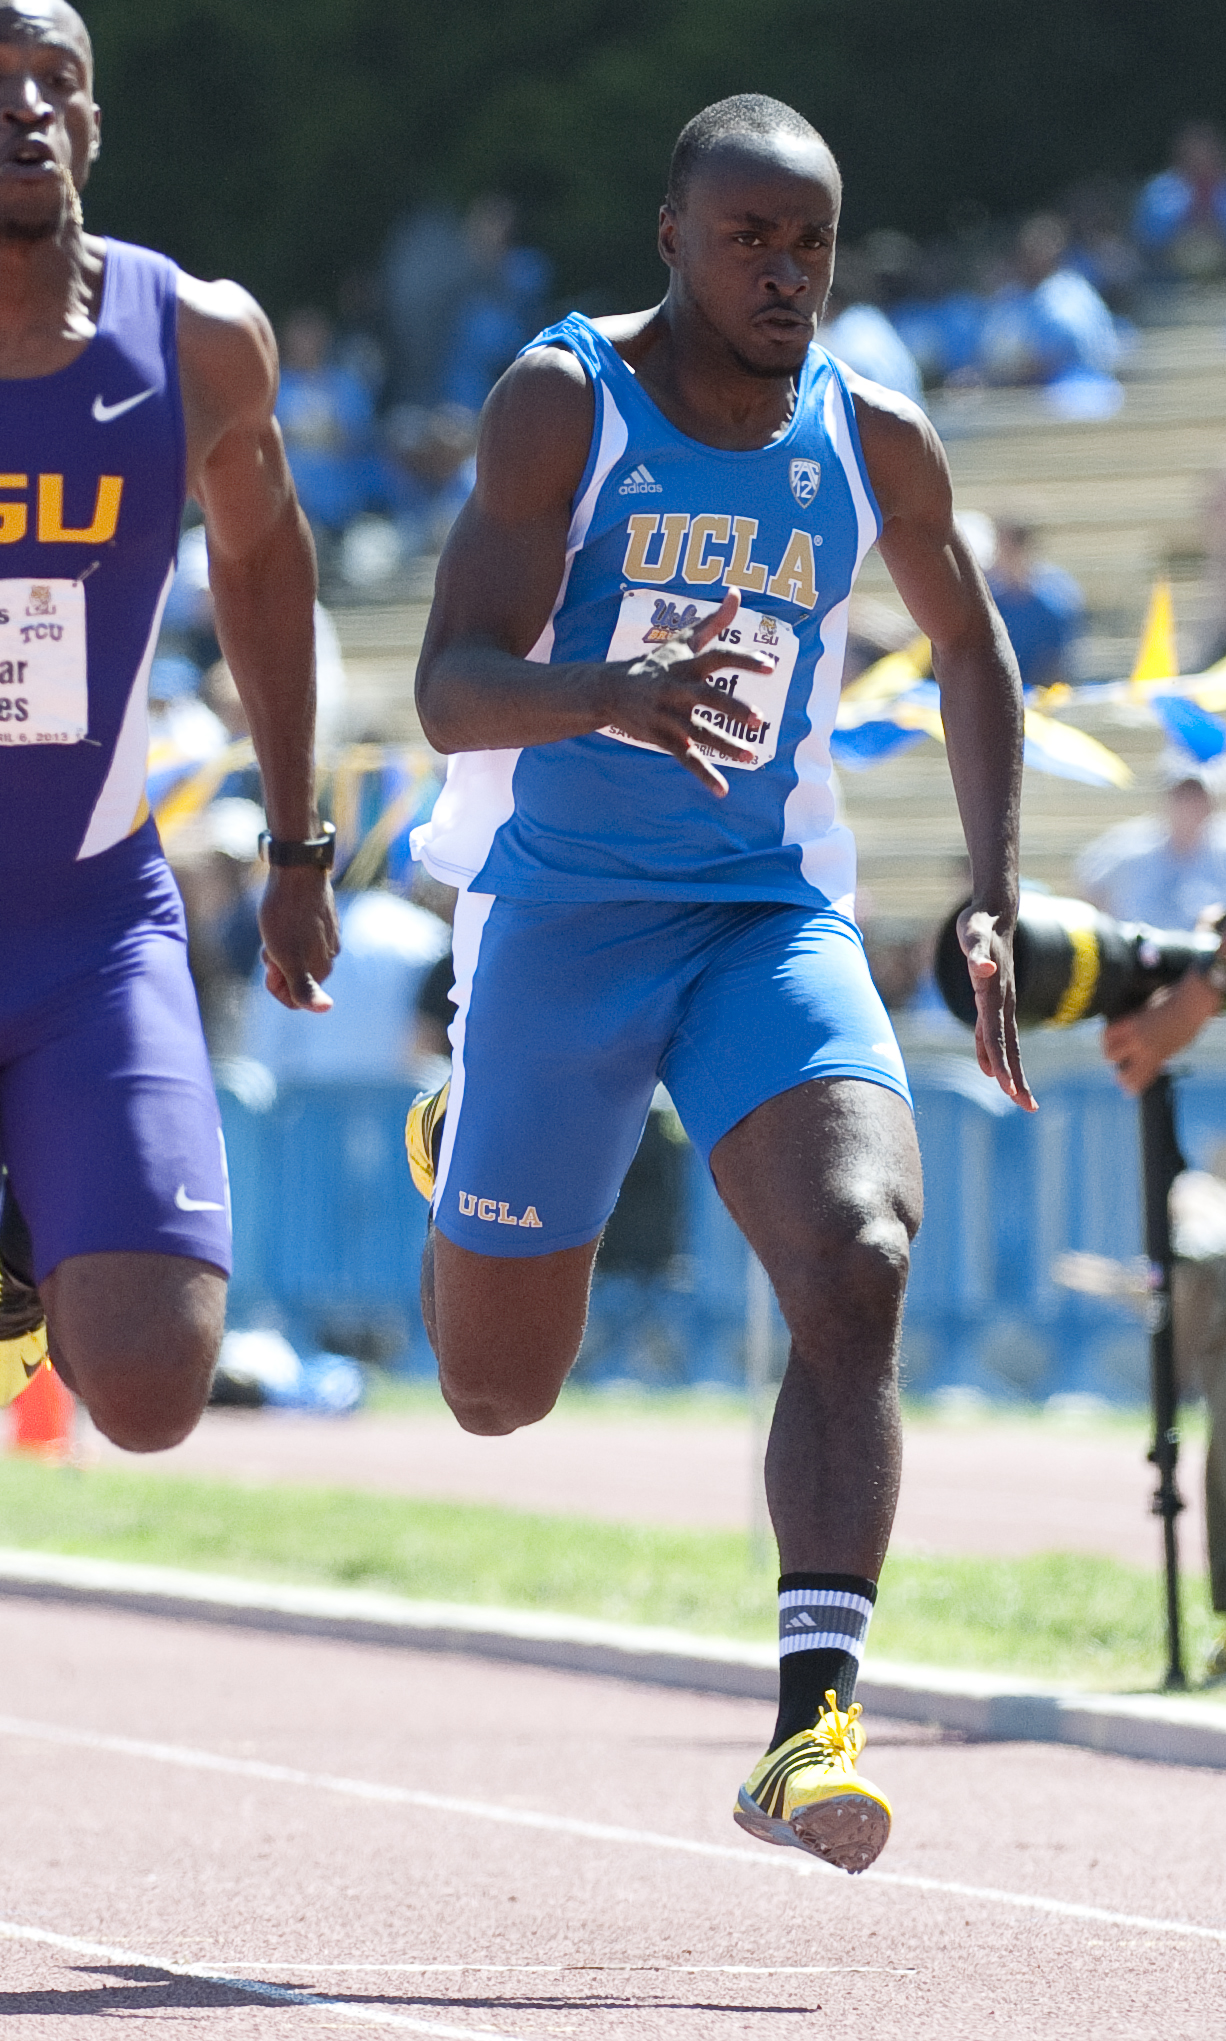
[[823, 1621], [16, 1247]]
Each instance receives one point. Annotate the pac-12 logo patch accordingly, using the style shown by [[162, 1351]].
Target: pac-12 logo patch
[[806, 479]]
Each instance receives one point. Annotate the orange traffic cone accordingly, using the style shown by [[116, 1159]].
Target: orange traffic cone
[[42, 1418]]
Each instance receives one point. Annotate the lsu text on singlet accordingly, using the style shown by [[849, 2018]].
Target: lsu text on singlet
[[91, 494], [109, 1126], [662, 526]]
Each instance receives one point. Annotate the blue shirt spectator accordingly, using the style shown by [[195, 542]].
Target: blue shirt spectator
[[1042, 607], [326, 414], [462, 300], [941, 334], [863, 337], [387, 947], [1164, 870], [1180, 220], [1050, 323], [858, 332]]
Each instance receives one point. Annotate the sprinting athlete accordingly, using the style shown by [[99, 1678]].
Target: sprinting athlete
[[124, 385], [634, 659]]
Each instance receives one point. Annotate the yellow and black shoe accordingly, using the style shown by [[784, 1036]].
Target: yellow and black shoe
[[423, 1137], [808, 1793], [23, 1335]]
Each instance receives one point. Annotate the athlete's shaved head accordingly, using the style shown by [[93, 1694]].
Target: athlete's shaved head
[[749, 118], [748, 230], [46, 21]]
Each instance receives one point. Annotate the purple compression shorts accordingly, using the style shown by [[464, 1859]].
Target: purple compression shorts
[[109, 1126]]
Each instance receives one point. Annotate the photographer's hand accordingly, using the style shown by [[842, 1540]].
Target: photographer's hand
[[1142, 1043]]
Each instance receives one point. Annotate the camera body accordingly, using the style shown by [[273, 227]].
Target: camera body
[[1071, 962]]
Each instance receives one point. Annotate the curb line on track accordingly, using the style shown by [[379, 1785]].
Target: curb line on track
[[1168, 1729]]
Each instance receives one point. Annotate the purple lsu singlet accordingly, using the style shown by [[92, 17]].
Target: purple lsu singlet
[[91, 496], [109, 1127]]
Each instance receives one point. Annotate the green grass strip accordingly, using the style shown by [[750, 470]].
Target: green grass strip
[[1054, 1617]]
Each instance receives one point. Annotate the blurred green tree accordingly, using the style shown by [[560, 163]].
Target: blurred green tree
[[277, 142]]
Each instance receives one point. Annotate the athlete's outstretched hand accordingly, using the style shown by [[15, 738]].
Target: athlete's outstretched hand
[[301, 937], [654, 698], [989, 959]]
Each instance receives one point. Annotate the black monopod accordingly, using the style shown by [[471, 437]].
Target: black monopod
[[1071, 963]]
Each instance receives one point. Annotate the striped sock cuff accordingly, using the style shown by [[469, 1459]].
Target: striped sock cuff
[[821, 1618]]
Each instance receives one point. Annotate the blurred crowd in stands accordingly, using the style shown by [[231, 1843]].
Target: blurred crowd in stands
[[380, 425], [380, 418], [1051, 305]]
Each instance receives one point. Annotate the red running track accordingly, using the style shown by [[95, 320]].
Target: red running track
[[273, 1813]]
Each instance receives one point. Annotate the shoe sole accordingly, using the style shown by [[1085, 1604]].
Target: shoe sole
[[849, 1830]]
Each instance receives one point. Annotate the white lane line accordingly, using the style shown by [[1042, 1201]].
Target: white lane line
[[391, 1796], [202, 1973], [799, 1863], [595, 1969]]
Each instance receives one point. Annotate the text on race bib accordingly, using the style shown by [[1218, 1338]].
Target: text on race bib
[[647, 619], [44, 691]]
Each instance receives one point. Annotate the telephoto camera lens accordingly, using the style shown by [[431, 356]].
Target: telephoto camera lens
[[1071, 962]]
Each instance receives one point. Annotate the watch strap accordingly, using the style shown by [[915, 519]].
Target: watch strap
[[315, 851]]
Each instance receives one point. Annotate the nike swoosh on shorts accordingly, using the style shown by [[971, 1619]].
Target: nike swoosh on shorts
[[105, 412], [186, 1204]]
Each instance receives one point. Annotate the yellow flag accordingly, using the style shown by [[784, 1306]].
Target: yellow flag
[[1157, 654], [892, 675], [1067, 753]]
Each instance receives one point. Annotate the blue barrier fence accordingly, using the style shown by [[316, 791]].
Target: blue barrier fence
[[329, 1233]]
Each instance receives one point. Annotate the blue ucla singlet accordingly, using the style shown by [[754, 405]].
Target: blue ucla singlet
[[661, 527], [92, 467]]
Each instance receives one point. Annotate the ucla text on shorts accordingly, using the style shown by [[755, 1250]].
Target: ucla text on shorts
[[495, 1211]]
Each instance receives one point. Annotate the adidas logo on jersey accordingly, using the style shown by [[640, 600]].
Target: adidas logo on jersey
[[640, 483]]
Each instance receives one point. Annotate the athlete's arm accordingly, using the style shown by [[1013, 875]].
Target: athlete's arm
[[981, 698], [262, 571], [498, 581]]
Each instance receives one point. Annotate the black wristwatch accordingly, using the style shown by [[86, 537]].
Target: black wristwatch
[[316, 851], [1214, 973]]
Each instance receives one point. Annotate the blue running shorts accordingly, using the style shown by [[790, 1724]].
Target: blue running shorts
[[108, 1120], [568, 1017]]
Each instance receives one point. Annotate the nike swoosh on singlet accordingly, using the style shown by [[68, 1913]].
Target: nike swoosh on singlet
[[186, 1204], [105, 412]]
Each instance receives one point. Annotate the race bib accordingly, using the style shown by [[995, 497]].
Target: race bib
[[647, 619], [44, 690]]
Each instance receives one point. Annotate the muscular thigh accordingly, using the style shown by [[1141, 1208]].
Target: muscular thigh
[[563, 1016], [789, 1079], [808, 1167], [824, 1181], [507, 1330], [108, 1120]]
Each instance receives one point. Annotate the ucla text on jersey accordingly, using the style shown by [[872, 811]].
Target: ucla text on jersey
[[662, 526]]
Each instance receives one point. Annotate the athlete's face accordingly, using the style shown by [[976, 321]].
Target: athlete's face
[[48, 120], [752, 247]]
